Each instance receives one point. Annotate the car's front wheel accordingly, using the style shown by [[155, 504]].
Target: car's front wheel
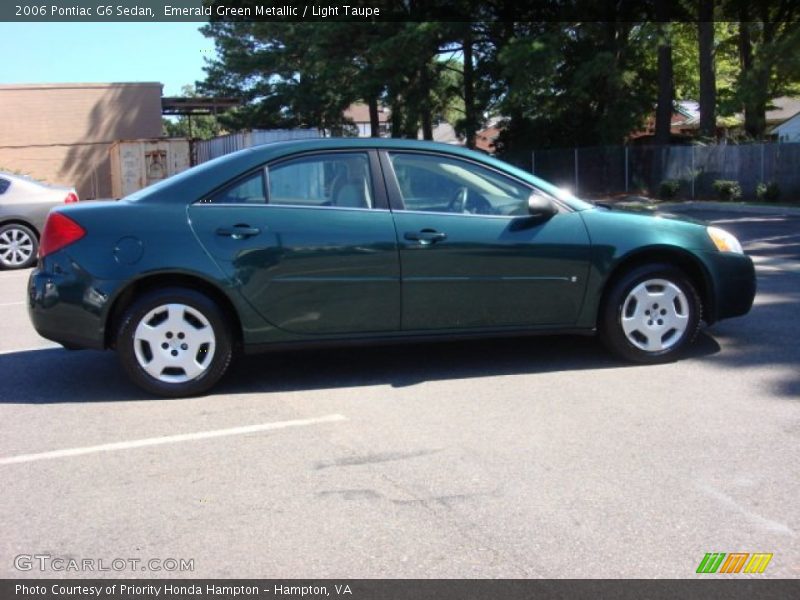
[[18, 246], [174, 342], [651, 314]]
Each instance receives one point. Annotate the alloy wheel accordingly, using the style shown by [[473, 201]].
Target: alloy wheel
[[16, 247]]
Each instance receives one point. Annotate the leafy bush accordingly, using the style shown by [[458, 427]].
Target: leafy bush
[[768, 192], [727, 190], [668, 189], [638, 185]]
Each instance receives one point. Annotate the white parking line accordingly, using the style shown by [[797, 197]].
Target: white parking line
[[169, 439], [45, 346], [763, 522]]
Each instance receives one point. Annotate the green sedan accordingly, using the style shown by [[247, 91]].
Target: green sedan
[[338, 241]]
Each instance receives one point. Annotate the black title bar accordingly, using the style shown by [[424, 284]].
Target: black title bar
[[715, 587], [386, 10]]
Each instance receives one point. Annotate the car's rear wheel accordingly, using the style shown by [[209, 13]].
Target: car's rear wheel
[[174, 342], [18, 246], [651, 314]]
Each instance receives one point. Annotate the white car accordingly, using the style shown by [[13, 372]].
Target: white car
[[24, 204]]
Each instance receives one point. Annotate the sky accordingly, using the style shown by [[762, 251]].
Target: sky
[[170, 53]]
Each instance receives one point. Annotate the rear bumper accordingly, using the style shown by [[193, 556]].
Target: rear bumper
[[734, 278], [68, 306]]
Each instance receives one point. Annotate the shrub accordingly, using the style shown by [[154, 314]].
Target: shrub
[[638, 185], [668, 189], [728, 191], [768, 192]]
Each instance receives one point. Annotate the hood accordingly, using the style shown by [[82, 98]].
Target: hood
[[652, 213]]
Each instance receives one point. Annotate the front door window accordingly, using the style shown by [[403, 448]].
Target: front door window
[[440, 184]]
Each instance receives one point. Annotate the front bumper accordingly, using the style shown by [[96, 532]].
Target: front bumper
[[734, 282], [68, 305]]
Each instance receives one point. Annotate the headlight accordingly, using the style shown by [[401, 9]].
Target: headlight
[[724, 241]]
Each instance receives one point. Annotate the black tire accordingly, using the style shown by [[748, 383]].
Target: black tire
[[629, 347], [23, 255], [194, 303]]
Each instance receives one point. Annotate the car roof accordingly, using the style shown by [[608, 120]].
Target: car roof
[[13, 177], [203, 178], [27, 181], [218, 170]]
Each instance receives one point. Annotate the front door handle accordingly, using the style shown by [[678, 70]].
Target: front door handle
[[426, 237], [238, 232]]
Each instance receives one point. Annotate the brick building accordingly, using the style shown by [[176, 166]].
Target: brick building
[[62, 132]]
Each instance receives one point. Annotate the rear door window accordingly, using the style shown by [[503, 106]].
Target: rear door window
[[336, 180]]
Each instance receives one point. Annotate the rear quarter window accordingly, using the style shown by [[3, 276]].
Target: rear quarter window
[[4, 185]]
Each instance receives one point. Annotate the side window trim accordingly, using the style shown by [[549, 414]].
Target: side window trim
[[377, 180], [392, 185], [207, 199], [396, 197], [265, 168]]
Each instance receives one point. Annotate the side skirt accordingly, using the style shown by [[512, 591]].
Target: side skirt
[[411, 338]]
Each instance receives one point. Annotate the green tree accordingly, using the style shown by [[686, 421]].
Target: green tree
[[306, 74], [706, 69], [684, 39], [288, 74], [767, 37], [582, 82], [579, 84], [666, 84]]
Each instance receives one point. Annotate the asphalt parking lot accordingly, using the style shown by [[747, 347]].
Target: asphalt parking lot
[[520, 458]]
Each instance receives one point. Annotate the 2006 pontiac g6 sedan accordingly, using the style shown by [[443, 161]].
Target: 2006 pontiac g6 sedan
[[338, 241]]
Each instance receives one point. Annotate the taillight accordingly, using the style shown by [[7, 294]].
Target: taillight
[[59, 231], [71, 198]]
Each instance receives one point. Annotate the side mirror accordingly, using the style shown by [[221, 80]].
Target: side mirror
[[541, 206]]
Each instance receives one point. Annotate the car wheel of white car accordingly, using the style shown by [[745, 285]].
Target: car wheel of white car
[[18, 246]]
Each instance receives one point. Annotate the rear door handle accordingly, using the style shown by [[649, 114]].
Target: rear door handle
[[426, 237], [238, 232]]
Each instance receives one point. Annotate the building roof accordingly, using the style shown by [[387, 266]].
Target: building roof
[[196, 105], [443, 132], [78, 85], [779, 129], [784, 108], [778, 110], [359, 113], [687, 113], [690, 109]]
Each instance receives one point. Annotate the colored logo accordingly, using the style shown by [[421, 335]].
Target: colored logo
[[735, 562]]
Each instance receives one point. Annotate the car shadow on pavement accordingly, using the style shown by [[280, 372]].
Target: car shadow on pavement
[[52, 376], [765, 338], [56, 375], [410, 364]]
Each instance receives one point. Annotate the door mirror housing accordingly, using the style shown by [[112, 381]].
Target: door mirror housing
[[541, 206]]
